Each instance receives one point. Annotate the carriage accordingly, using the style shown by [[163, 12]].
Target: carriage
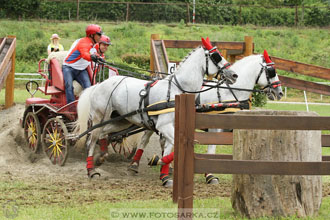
[[47, 122], [133, 110]]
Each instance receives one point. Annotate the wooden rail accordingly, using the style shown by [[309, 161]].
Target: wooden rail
[[187, 163], [7, 67]]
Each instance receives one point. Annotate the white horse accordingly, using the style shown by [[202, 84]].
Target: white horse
[[251, 70], [120, 95]]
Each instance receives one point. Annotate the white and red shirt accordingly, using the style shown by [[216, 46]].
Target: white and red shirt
[[79, 56]]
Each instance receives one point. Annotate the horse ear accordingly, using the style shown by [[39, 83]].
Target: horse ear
[[203, 42], [266, 56], [206, 43]]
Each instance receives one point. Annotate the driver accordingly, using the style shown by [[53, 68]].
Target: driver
[[101, 49], [79, 57]]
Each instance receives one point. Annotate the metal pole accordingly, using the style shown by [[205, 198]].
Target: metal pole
[[194, 11]]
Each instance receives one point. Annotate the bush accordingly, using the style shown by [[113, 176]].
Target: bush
[[33, 51], [142, 61], [259, 99], [318, 17]]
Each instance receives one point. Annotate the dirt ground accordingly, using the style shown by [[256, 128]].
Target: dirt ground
[[19, 164], [116, 182]]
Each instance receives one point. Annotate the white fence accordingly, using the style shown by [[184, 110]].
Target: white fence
[[27, 78]]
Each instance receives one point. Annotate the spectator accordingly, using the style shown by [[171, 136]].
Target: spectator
[[54, 45]]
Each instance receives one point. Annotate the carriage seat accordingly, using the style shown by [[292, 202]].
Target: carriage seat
[[57, 82]]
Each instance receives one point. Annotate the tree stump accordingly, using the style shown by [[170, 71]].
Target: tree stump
[[275, 195]]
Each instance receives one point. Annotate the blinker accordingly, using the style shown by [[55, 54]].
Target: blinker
[[216, 57], [271, 71]]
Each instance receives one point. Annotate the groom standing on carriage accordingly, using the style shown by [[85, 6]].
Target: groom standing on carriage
[[78, 59]]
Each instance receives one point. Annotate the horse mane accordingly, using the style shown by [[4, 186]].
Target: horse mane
[[246, 59], [186, 57]]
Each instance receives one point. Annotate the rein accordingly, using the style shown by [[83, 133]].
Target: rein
[[133, 74]]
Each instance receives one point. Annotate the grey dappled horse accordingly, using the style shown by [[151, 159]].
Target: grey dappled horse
[[252, 70]]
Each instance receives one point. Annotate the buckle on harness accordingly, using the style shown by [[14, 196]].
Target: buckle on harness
[[143, 93]]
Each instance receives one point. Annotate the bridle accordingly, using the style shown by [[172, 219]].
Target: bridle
[[216, 58], [270, 73]]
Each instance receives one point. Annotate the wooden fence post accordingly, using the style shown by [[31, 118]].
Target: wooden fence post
[[224, 54], [10, 82], [248, 49], [152, 55], [185, 158], [78, 2], [176, 150], [188, 13], [127, 12]]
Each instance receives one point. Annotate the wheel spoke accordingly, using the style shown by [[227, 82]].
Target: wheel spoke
[[54, 141]]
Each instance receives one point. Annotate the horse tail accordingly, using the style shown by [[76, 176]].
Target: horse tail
[[83, 112]]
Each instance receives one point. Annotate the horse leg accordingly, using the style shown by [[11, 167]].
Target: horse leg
[[91, 143], [134, 166], [210, 179], [100, 157], [162, 141], [168, 132]]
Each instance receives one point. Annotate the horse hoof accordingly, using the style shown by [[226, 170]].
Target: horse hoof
[[213, 182], [168, 184], [210, 179], [133, 167], [93, 174], [154, 160]]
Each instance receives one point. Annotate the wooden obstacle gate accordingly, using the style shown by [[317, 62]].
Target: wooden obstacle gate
[[187, 163], [7, 67]]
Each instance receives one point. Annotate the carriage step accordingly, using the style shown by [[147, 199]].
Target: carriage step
[[51, 90]]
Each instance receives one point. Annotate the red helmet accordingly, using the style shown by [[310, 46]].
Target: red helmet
[[93, 29], [105, 40]]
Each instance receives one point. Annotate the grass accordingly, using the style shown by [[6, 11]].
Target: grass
[[322, 110], [105, 210]]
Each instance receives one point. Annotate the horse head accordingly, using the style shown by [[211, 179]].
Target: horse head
[[222, 66], [268, 78]]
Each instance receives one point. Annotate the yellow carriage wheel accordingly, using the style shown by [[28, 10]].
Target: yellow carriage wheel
[[32, 131], [54, 141]]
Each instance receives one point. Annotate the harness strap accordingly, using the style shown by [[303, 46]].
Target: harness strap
[[178, 84], [144, 97], [169, 88], [218, 93], [232, 92], [222, 106]]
